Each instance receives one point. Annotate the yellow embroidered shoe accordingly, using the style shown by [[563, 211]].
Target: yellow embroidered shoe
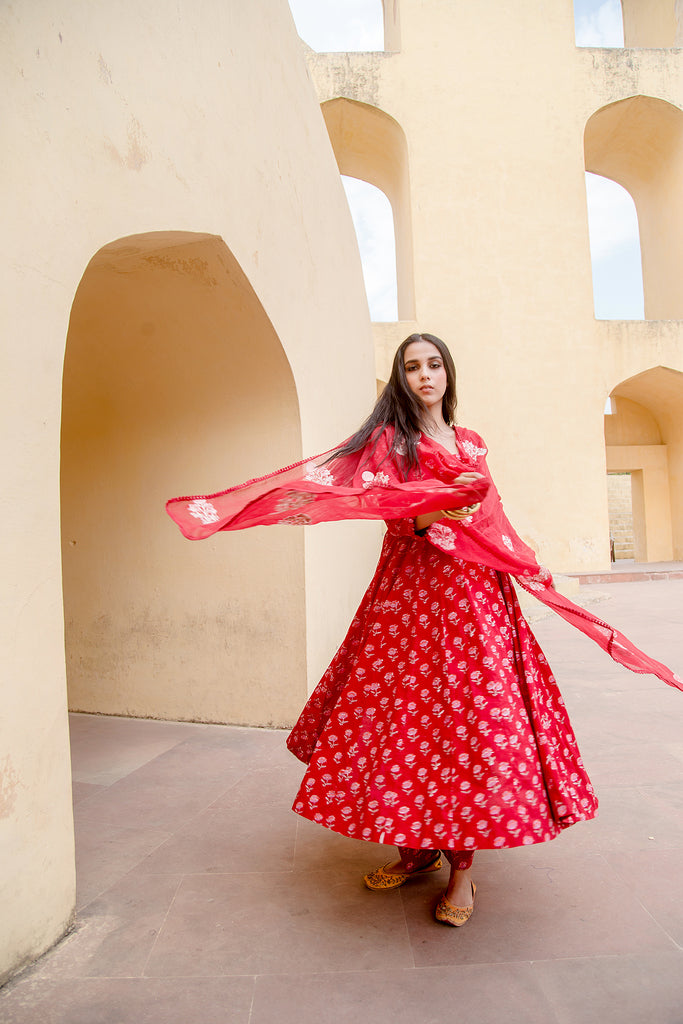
[[381, 880], [449, 914]]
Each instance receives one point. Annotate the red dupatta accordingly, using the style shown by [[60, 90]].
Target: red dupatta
[[370, 485]]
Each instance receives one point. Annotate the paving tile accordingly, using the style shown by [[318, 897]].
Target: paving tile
[[273, 787], [104, 853], [644, 715], [127, 1001], [105, 748], [226, 839], [115, 933], [610, 761], [83, 790], [319, 849], [248, 746], [615, 990], [632, 818], [167, 792], [424, 996], [533, 904], [274, 922], [656, 879]]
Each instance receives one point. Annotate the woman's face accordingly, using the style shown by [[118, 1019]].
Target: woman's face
[[425, 373]]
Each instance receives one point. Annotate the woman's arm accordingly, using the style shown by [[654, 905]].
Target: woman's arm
[[425, 520]]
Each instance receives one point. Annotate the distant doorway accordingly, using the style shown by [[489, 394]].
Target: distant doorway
[[620, 506]]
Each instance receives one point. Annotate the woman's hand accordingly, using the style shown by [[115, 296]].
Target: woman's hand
[[422, 522], [467, 478], [463, 511]]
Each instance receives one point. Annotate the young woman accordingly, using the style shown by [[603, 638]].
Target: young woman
[[438, 726], [431, 743]]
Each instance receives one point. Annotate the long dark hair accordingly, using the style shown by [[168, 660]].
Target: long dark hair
[[399, 408]]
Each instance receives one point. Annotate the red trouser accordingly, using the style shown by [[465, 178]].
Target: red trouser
[[413, 860]]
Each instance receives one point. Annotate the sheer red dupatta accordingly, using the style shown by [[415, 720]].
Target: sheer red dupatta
[[370, 485], [366, 485]]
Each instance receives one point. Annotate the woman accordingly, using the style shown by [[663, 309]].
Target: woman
[[430, 743], [438, 726]]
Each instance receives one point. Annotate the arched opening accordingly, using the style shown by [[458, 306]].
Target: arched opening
[[644, 439], [374, 223], [176, 383], [638, 142], [615, 250], [370, 145]]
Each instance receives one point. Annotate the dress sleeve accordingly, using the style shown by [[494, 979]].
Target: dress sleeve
[[381, 468], [403, 528]]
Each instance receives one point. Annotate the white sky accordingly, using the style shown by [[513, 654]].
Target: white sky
[[329, 25], [598, 23]]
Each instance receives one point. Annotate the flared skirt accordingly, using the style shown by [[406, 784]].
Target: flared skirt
[[439, 723]]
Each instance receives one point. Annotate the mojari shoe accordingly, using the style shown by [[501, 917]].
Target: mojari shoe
[[381, 880], [457, 916]]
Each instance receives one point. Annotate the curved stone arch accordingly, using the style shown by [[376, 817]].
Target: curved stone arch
[[369, 144], [638, 142], [644, 437], [173, 377]]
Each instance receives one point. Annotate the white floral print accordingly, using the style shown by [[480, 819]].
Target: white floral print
[[375, 480], [442, 536], [536, 581], [202, 509], [293, 499], [319, 475], [471, 449]]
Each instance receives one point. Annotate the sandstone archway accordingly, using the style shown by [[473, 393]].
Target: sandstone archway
[[638, 142], [175, 382], [644, 437], [371, 145]]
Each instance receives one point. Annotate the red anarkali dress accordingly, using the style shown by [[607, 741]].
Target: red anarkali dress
[[439, 724]]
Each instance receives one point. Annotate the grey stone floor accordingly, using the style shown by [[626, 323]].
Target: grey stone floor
[[203, 900]]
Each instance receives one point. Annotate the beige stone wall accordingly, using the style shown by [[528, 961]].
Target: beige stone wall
[[651, 23], [172, 190]]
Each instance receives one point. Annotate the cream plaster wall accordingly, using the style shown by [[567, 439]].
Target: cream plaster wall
[[651, 23], [631, 424], [122, 120]]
